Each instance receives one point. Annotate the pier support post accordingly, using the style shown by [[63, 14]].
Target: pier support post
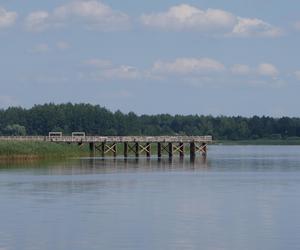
[[148, 146], [159, 150], [107, 148], [170, 149], [103, 149], [125, 149], [137, 150], [192, 150], [115, 150], [92, 148], [181, 152], [203, 149]]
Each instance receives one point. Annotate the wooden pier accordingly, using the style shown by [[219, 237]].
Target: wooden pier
[[132, 145]]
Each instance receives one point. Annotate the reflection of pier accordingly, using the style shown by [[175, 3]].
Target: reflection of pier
[[146, 164], [129, 145]]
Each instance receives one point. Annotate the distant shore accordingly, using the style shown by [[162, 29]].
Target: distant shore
[[259, 142]]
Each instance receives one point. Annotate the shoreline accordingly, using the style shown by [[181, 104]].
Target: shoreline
[[259, 142], [35, 151]]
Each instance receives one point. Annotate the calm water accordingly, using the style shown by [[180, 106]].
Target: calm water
[[238, 198]]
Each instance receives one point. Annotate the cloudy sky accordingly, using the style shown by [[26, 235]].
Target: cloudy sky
[[238, 57]]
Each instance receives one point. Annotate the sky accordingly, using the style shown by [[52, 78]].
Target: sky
[[211, 57]]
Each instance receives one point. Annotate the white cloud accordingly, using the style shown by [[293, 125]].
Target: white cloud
[[92, 14], [105, 69], [37, 21], [267, 69], [62, 45], [98, 63], [297, 74], [121, 72], [247, 27], [7, 18], [191, 71], [40, 48], [240, 69], [184, 66], [206, 71], [186, 17]]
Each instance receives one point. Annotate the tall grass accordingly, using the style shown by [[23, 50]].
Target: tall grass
[[40, 149]]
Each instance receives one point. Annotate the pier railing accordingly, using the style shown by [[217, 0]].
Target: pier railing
[[116, 139]]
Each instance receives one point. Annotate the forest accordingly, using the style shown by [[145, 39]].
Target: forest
[[97, 120]]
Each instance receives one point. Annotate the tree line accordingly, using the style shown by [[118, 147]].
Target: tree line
[[96, 120]]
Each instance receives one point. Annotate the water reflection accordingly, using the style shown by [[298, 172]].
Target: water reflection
[[108, 164], [142, 164]]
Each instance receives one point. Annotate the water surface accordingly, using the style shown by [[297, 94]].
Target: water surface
[[239, 197]]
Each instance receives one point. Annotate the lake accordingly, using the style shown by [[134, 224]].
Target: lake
[[239, 197]]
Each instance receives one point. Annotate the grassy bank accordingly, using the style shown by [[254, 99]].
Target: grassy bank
[[37, 150]]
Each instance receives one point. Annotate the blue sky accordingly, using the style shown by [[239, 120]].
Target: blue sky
[[216, 57]]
